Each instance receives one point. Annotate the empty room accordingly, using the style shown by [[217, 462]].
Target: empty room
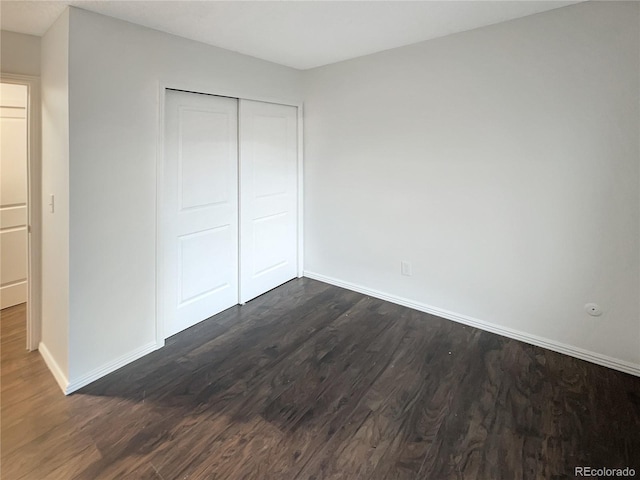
[[320, 240]]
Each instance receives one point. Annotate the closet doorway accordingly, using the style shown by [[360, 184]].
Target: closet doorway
[[228, 204], [20, 207], [14, 192]]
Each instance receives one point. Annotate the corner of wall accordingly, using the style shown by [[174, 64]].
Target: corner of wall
[[54, 345], [55, 369]]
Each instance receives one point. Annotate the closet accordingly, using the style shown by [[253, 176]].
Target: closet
[[228, 204]]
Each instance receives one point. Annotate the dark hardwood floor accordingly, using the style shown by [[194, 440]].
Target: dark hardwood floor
[[311, 381]]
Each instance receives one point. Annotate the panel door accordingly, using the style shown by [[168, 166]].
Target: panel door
[[200, 221], [13, 195], [268, 196]]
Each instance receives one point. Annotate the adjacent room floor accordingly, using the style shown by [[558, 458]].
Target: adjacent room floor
[[313, 381]]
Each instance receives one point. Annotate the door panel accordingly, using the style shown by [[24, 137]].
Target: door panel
[[205, 170], [268, 196], [200, 208], [201, 275]]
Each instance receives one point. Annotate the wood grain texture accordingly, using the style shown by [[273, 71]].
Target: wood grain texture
[[310, 381]]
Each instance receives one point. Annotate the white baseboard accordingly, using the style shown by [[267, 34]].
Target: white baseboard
[[15, 294], [593, 357], [55, 369], [112, 366]]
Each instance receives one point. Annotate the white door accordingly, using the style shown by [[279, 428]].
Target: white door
[[268, 197], [13, 201], [199, 241]]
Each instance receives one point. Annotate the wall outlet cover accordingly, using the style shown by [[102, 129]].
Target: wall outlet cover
[[593, 309]]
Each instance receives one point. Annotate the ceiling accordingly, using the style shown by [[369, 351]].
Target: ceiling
[[299, 34]]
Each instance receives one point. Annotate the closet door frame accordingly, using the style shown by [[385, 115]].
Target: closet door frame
[[207, 90]]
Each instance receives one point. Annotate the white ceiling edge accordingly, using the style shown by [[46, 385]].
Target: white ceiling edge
[[298, 34]]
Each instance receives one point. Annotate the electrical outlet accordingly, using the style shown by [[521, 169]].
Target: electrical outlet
[[405, 268], [593, 309]]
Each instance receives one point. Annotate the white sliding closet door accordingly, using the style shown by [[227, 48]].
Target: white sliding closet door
[[268, 196], [199, 205]]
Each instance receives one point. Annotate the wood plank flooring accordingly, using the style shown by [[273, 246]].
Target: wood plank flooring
[[310, 381]]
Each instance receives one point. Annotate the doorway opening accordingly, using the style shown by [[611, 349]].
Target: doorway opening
[[19, 204]]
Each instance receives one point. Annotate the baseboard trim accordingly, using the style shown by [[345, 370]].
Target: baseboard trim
[[110, 367], [14, 294], [53, 367], [593, 357]]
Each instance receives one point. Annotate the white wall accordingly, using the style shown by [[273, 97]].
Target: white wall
[[55, 180], [115, 73], [19, 53], [502, 163]]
